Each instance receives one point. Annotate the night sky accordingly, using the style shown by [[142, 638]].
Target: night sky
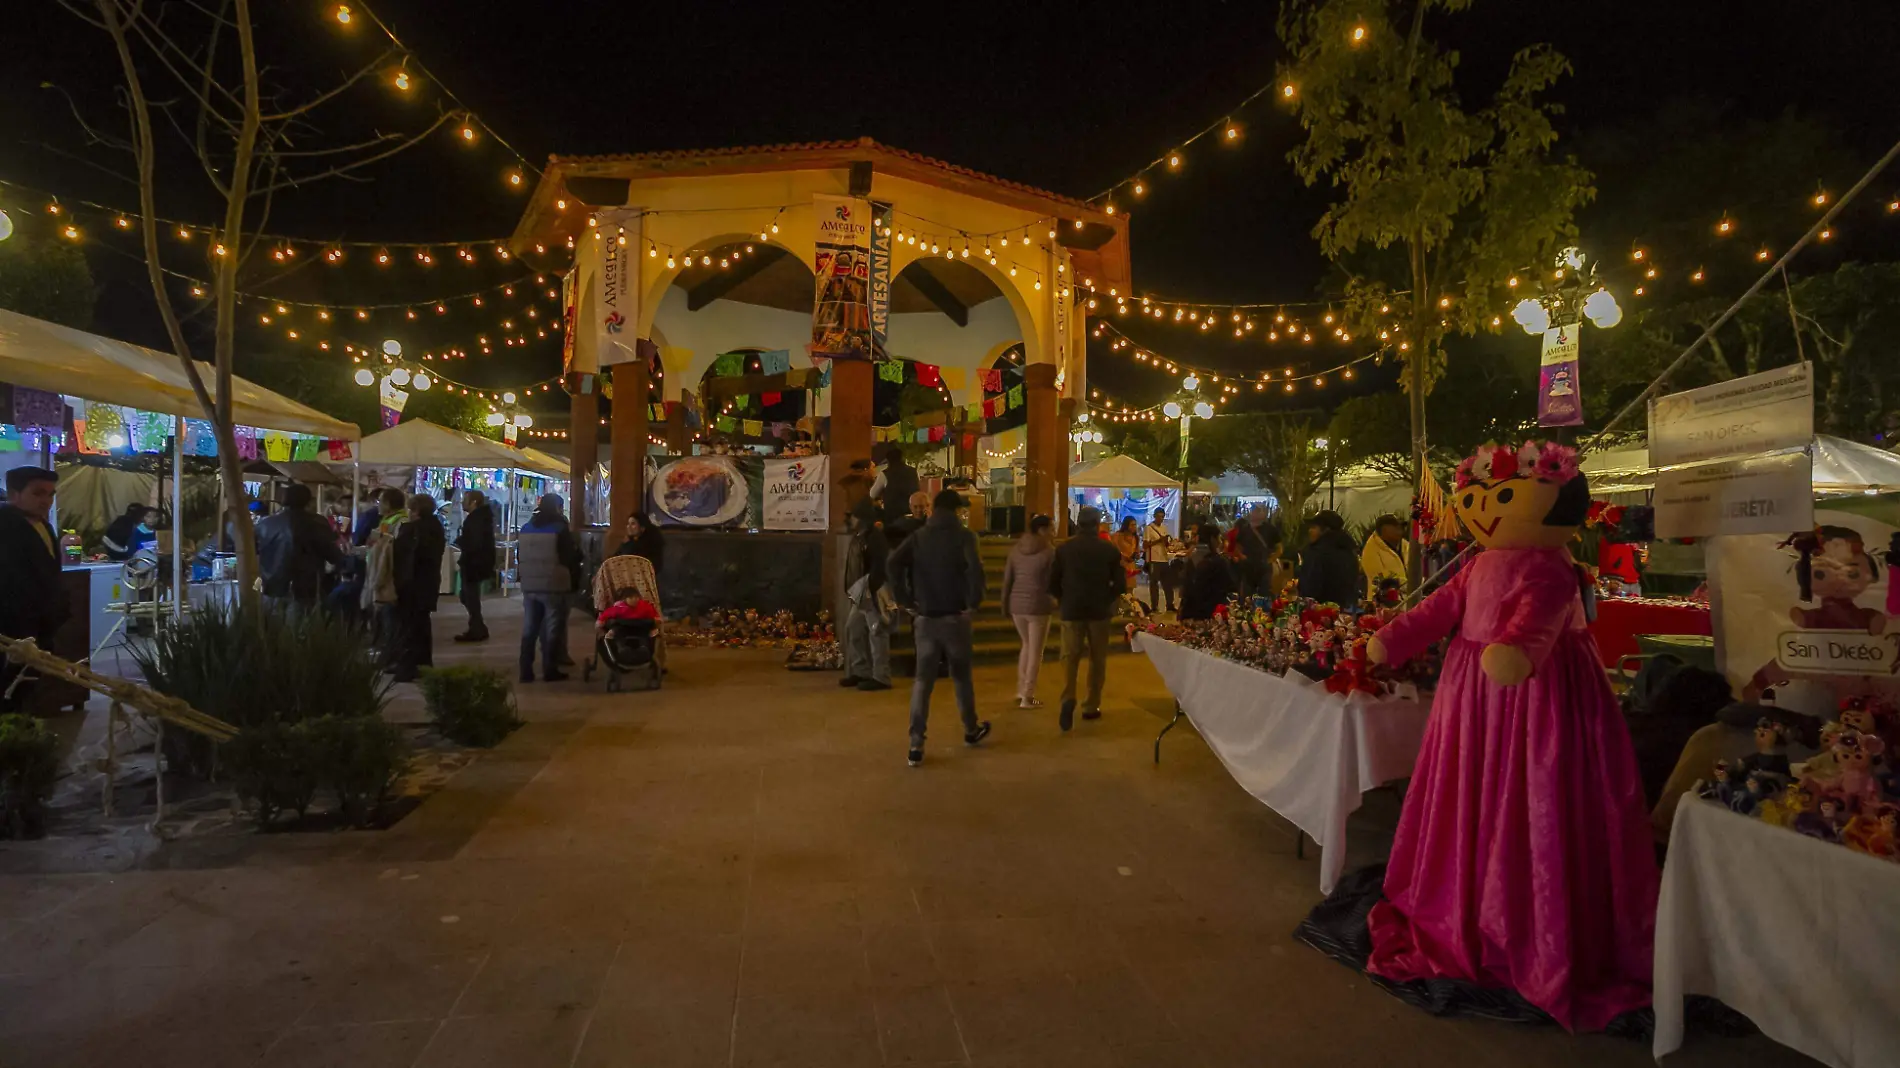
[[1030, 92]]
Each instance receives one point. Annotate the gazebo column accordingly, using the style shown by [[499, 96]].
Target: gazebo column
[[583, 442], [1046, 457], [628, 451], [848, 439], [1066, 418]]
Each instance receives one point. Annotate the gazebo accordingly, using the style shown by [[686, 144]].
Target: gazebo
[[685, 256]]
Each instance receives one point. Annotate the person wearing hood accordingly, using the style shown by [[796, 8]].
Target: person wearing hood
[[1027, 603], [1329, 566], [477, 561], [1210, 577], [548, 562], [938, 575], [867, 624]]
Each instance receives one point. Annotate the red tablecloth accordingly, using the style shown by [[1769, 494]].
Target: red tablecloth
[[1620, 620]]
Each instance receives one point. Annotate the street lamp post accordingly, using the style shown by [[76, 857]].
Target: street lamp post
[[1570, 295]]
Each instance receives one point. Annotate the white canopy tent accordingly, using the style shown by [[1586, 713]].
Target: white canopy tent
[[1840, 467], [1118, 472], [420, 443]]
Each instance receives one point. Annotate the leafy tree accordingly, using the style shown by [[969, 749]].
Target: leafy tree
[[1439, 205], [1487, 394], [1158, 445], [47, 280], [1282, 453]]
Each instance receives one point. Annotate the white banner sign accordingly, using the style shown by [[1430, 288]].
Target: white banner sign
[[1761, 495], [795, 494], [616, 242], [1761, 413], [394, 397]]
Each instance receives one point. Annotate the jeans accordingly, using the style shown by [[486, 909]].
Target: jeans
[[1160, 587], [417, 648], [941, 639], [472, 600], [1033, 630], [867, 643], [543, 617], [1074, 633]]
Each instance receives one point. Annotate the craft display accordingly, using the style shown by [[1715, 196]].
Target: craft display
[[1320, 641], [733, 628], [822, 655], [1848, 793]]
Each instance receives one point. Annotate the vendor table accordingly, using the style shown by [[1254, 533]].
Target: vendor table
[[1302, 751], [1620, 619], [1695, 650], [1799, 934]]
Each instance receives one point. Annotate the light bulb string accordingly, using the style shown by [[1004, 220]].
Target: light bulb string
[[390, 363], [1156, 361], [524, 281], [1162, 160]]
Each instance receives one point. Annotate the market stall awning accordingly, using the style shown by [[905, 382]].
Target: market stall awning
[[1119, 472], [542, 463], [420, 443], [40, 355], [1840, 466]]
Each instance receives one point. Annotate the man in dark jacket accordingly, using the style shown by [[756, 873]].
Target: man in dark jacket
[[1087, 582], [1329, 565], [548, 563], [1256, 538], [896, 485], [292, 547], [867, 627], [477, 562], [1210, 579], [131, 533], [32, 604], [938, 575], [418, 550]]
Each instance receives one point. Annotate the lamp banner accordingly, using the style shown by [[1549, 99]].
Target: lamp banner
[[570, 293], [1559, 402], [883, 226], [616, 244], [841, 315]]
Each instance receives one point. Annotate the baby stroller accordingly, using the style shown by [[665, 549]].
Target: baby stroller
[[627, 646]]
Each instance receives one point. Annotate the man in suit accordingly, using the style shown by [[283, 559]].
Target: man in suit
[[32, 605]]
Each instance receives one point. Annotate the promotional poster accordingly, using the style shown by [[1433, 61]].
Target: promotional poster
[[616, 308], [841, 316], [1559, 397], [704, 491]]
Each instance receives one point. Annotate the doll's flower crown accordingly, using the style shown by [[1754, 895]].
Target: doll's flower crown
[[1546, 461]]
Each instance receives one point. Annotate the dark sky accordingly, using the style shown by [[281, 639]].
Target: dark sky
[[1068, 97]]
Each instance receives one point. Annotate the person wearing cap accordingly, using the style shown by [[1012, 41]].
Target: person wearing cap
[[548, 562], [32, 605], [1386, 555], [1087, 582], [1329, 566]]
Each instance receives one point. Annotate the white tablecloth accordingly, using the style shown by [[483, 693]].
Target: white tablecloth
[[1800, 934], [1303, 752]]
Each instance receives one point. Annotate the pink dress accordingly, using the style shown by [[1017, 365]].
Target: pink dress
[[1524, 856]]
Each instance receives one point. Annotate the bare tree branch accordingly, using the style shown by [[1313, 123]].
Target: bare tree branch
[[334, 91], [93, 135], [346, 168]]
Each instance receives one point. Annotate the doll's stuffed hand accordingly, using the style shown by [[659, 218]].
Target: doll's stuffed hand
[[1506, 664], [1375, 650]]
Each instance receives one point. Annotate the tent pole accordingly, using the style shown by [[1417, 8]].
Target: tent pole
[[356, 495], [178, 523]]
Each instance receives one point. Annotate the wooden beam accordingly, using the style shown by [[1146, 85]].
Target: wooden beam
[[935, 292], [718, 285]]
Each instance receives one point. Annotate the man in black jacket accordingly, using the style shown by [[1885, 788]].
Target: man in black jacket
[[938, 575], [867, 626], [477, 562], [32, 604], [418, 548], [1329, 565], [292, 547], [1087, 582], [896, 487], [1256, 538]]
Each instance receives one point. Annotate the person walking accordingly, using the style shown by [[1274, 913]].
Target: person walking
[[867, 626], [1386, 555], [32, 602], [416, 566], [549, 565], [1154, 551], [1329, 568], [1255, 539], [938, 575], [379, 581], [293, 545], [1210, 578], [1087, 581], [476, 562], [1026, 602]]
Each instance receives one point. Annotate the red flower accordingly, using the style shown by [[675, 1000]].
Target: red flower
[[1503, 464]]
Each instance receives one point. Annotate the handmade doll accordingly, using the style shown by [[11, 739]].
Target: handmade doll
[[1824, 821], [1833, 566], [1759, 792], [1523, 857], [1719, 787], [1854, 754], [1771, 749]]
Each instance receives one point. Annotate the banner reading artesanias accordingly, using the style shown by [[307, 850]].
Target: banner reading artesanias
[[841, 315], [795, 494]]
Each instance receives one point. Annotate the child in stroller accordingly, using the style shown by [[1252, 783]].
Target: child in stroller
[[628, 634]]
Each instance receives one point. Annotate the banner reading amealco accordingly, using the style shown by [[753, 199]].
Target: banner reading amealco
[[1559, 399], [794, 497], [841, 315], [616, 245]]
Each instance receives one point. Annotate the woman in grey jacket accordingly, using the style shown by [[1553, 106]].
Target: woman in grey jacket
[[1026, 601]]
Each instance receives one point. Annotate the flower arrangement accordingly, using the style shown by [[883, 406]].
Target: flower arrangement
[[1546, 461], [1320, 641]]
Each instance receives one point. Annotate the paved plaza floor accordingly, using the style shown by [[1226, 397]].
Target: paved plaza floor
[[740, 870]]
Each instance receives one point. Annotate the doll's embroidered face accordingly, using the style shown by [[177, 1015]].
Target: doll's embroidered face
[[1509, 513], [1842, 569]]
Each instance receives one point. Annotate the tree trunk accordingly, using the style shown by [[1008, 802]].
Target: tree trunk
[[225, 348]]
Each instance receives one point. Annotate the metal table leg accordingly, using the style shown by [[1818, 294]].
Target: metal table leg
[[1164, 731]]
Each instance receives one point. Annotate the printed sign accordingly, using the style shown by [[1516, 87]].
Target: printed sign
[[795, 494], [1759, 495], [570, 293], [616, 310], [841, 315], [883, 228], [393, 398], [1559, 401], [699, 491], [1803, 630], [1761, 413]]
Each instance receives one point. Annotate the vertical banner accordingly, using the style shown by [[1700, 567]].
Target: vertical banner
[[616, 248], [1060, 294], [883, 229], [393, 398], [570, 296], [1558, 401], [841, 315], [795, 494], [509, 432]]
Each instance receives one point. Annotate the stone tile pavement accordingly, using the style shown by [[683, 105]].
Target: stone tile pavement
[[739, 870]]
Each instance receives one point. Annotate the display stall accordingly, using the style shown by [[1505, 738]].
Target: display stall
[[1122, 487], [1623, 622]]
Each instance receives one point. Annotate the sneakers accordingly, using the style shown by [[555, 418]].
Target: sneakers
[[868, 685], [916, 757], [1028, 702], [976, 736], [1093, 713], [1067, 718], [849, 681]]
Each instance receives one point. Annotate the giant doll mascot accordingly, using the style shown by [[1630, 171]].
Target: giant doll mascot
[[1523, 858]]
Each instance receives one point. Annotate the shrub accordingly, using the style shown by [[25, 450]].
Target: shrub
[[274, 768], [29, 764], [360, 759], [470, 705]]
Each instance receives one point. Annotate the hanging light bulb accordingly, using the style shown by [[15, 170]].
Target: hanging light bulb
[[364, 377], [508, 398], [421, 382]]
